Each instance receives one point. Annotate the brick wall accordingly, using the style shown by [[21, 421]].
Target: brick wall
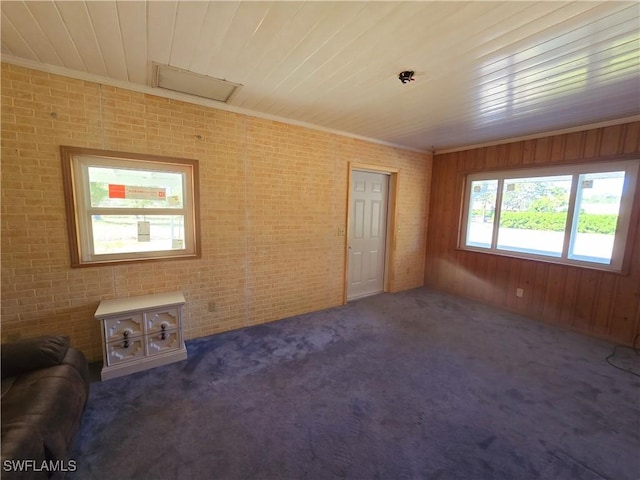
[[272, 198]]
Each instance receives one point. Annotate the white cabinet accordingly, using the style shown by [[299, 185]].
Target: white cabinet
[[141, 332]]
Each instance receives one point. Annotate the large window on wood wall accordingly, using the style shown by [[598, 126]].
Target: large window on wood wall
[[125, 207], [577, 214]]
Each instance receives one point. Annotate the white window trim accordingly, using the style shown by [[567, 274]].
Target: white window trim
[[623, 230], [75, 164]]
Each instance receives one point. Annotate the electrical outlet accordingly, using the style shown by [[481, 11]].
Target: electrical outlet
[[519, 292], [341, 231]]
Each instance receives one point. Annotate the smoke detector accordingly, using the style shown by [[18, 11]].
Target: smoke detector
[[406, 76]]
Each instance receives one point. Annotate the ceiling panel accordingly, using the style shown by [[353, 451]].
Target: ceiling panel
[[12, 39], [82, 32], [48, 18], [39, 44], [484, 71], [132, 17], [189, 20], [104, 17], [216, 26], [163, 16]]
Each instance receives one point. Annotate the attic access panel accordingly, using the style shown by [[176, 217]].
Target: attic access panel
[[184, 81]]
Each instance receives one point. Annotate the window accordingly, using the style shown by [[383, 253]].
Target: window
[[577, 214], [129, 207]]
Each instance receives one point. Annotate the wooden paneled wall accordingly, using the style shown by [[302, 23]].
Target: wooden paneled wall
[[598, 303]]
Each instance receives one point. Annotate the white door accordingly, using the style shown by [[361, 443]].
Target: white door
[[367, 233]]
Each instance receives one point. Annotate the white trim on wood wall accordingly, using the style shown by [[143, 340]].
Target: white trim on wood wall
[[581, 128]]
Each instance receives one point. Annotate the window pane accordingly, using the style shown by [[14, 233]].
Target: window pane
[[128, 188], [482, 208], [533, 215], [136, 233], [597, 206]]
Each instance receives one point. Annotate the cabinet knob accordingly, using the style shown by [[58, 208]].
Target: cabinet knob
[[163, 336], [163, 326], [125, 344], [125, 334]]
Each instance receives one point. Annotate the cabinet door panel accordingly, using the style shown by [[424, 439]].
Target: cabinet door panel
[[163, 342], [123, 327], [159, 320], [125, 350]]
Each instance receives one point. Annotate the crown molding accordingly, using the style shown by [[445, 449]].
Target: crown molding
[[580, 128], [89, 77]]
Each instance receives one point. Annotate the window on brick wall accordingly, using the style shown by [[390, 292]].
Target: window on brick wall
[[125, 207], [572, 214]]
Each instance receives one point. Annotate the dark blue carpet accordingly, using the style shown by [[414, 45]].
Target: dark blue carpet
[[412, 385]]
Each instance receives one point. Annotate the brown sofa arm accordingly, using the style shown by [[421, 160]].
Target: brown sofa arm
[[33, 353]]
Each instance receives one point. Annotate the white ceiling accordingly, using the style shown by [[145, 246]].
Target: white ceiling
[[485, 71]]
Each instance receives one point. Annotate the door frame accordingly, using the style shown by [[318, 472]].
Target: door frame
[[390, 237]]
